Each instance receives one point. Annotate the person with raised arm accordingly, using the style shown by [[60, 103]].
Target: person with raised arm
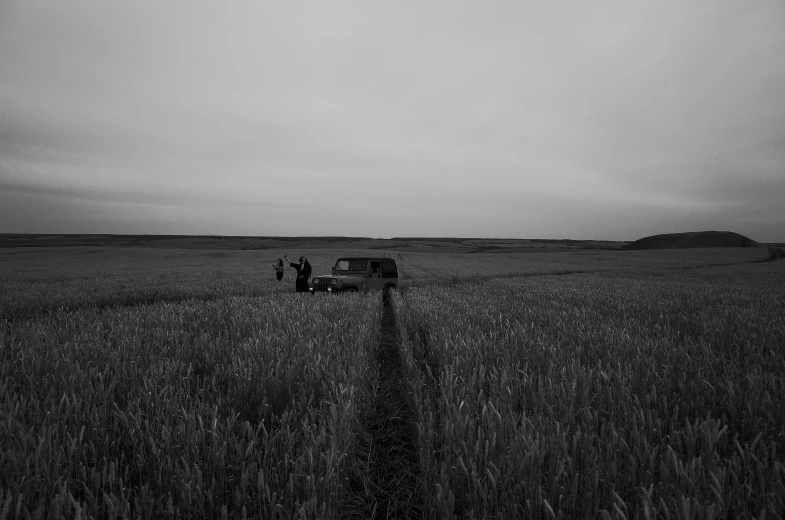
[[303, 273]]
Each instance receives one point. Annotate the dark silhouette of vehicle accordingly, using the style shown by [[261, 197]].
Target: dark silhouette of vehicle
[[357, 274]]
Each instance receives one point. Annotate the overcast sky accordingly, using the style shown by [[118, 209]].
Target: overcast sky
[[576, 119]]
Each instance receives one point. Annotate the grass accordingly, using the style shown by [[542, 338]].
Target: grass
[[239, 407], [155, 382], [655, 395]]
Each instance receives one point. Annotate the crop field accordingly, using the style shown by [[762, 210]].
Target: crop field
[[566, 396], [242, 406], [148, 383]]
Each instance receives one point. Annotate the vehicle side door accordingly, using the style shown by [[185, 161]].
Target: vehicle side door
[[375, 276]]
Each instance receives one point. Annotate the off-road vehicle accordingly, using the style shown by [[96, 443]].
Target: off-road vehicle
[[358, 274]]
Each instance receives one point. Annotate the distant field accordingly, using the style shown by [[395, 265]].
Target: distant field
[[39, 280], [430, 245], [148, 381]]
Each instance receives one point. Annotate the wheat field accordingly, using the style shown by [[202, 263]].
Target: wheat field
[[648, 396], [566, 385]]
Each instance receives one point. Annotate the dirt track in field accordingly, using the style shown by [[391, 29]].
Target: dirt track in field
[[392, 487]]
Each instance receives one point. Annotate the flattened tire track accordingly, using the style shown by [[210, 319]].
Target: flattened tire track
[[394, 486]]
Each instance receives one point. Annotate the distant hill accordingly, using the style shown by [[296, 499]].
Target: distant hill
[[691, 240]]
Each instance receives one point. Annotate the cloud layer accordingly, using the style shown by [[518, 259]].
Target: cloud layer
[[607, 120]]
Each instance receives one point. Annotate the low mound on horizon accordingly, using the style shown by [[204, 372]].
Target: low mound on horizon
[[692, 240]]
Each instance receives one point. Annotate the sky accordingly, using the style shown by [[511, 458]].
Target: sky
[[608, 119]]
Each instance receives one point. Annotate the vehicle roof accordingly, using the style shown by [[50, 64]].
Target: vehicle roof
[[364, 258]]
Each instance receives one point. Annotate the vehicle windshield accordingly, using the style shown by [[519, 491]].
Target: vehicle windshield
[[351, 265]]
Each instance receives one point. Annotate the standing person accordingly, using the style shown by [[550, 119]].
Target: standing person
[[303, 273], [278, 266]]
